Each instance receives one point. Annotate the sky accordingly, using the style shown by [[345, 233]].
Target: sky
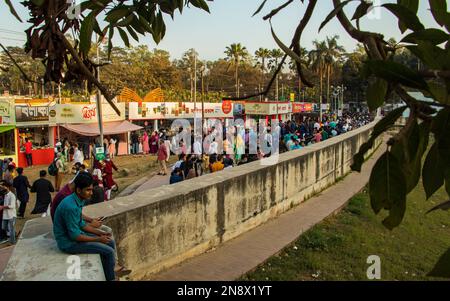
[[231, 21]]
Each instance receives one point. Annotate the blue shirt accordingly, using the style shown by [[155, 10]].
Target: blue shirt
[[294, 147], [68, 222]]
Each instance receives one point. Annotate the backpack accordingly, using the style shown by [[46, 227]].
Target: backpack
[[52, 169]]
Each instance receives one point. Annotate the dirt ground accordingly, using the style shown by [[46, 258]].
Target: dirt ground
[[131, 168]]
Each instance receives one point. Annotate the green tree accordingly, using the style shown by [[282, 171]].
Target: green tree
[[236, 53]]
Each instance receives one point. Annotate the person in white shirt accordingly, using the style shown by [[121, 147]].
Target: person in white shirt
[[213, 148], [9, 211], [77, 155], [197, 147]]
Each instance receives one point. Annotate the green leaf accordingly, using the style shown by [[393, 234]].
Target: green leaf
[[439, 92], [441, 268], [388, 189], [405, 15], [13, 10], [412, 5], [445, 206], [125, 22], [145, 24], [87, 27], [378, 129], [200, 4], [376, 94], [116, 14], [361, 10], [433, 173], [440, 13], [435, 36], [398, 73], [124, 36], [260, 8], [133, 34], [433, 56], [334, 13], [110, 36]]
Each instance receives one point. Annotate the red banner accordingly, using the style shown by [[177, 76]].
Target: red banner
[[302, 107]]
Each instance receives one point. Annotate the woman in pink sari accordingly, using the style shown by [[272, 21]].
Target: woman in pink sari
[[154, 139], [145, 145]]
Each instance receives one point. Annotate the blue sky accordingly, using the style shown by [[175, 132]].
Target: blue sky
[[230, 22]]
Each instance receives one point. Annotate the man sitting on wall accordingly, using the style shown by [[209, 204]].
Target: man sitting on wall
[[74, 236]]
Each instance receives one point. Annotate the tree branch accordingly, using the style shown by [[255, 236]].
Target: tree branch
[[88, 73]]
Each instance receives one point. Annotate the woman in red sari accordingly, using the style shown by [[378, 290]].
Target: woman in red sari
[[154, 139], [108, 176]]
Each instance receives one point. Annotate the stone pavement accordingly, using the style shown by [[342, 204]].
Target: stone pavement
[[154, 182], [244, 253], [5, 254]]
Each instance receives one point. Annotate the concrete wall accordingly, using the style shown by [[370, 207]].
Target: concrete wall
[[158, 228]]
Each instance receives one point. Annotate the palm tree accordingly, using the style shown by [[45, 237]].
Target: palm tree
[[263, 54], [236, 53], [333, 52], [317, 58], [276, 55]]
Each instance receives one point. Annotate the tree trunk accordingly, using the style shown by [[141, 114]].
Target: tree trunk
[[328, 83]]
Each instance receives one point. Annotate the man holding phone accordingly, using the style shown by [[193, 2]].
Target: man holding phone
[[74, 236]]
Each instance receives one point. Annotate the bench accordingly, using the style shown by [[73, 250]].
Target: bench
[[36, 257]]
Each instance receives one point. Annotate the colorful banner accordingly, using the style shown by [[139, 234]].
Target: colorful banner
[[84, 113], [302, 107], [6, 112]]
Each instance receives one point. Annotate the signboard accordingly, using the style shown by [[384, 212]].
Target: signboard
[[84, 113], [259, 108], [100, 153], [27, 113], [6, 113], [264, 108], [292, 97], [5, 108], [302, 107], [175, 110]]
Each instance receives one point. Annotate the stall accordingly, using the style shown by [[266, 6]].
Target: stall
[[8, 134], [32, 122], [269, 110], [78, 123]]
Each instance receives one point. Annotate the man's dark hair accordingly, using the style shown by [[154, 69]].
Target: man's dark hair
[[42, 173], [83, 166], [20, 170], [10, 168], [83, 180], [26, 139], [78, 165]]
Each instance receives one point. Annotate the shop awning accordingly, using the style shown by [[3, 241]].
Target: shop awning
[[109, 128], [5, 128]]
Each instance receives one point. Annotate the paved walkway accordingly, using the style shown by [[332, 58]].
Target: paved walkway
[[154, 182], [5, 254], [244, 253]]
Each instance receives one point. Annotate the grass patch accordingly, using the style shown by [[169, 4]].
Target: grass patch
[[338, 247]]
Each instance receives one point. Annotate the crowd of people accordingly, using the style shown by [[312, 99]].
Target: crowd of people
[[76, 233], [294, 135]]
